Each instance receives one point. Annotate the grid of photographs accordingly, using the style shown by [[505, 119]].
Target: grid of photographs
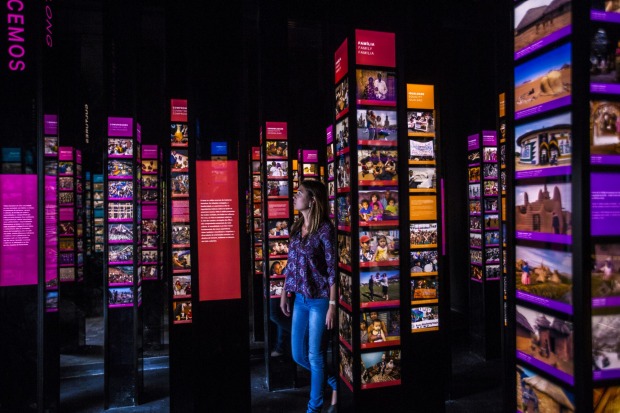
[[67, 213], [52, 187], [180, 251], [256, 202], [501, 207], [423, 225], [151, 236]]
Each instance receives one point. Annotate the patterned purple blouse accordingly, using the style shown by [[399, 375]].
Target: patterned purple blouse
[[311, 266]]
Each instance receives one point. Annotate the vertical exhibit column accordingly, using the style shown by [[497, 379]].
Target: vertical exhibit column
[[257, 235]]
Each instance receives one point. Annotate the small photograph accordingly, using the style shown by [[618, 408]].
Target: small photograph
[[474, 191], [256, 181], [65, 183], [491, 188], [379, 288], [309, 169], [544, 209], [65, 168], [491, 255], [181, 260], [475, 207], [120, 147], [342, 97], [538, 22], [149, 272], [66, 274], [420, 122], [66, 228], [344, 249], [423, 235], [277, 190], [377, 125], [179, 185], [51, 168], [278, 247], [475, 256], [120, 190], [345, 288], [332, 208], [149, 226], [490, 170], [149, 196], [179, 160], [277, 169], [424, 318], [489, 154], [276, 267], [379, 248], [475, 240], [549, 341], [50, 146], [342, 136], [606, 274], [330, 152], [181, 286], [473, 157], [256, 195], [118, 168], [179, 135], [182, 311], [424, 262], [474, 174], [424, 290], [257, 210], [422, 179], [533, 390], [475, 272], [120, 253], [51, 301], [491, 205], [255, 167], [379, 328], [122, 274], [258, 253], [149, 182], [180, 235], [277, 228], [149, 166], [276, 287], [380, 369], [605, 345], [378, 206], [66, 258], [604, 132], [376, 87], [491, 221], [258, 267], [66, 198], [66, 244], [421, 150], [118, 233], [331, 189], [345, 329], [492, 272], [491, 238], [377, 167], [120, 297], [277, 149], [345, 368], [149, 241], [343, 171]]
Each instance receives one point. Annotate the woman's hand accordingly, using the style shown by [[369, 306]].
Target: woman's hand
[[284, 304], [330, 317]]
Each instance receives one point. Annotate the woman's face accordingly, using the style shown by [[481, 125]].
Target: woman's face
[[301, 199]]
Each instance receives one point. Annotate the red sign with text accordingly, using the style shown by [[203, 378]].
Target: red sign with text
[[276, 130], [218, 230], [178, 110], [375, 48], [341, 61]]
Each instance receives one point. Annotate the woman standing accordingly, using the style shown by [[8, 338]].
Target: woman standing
[[311, 275]]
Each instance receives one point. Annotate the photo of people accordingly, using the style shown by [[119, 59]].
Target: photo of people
[[424, 262], [277, 169], [66, 274], [332, 208], [51, 168], [149, 272], [65, 198], [543, 209], [278, 248], [342, 97], [345, 368], [473, 157], [181, 286], [120, 233], [50, 146], [490, 170], [423, 235], [491, 188], [120, 297], [277, 189], [277, 228], [182, 311], [331, 190], [344, 250], [375, 206], [118, 168], [149, 166], [475, 240], [149, 182], [150, 256], [605, 346], [420, 123], [345, 289], [342, 136], [535, 21], [65, 244], [120, 211], [379, 328], [379, 248], [377, 125], [120, 190], [422, 179], [492, 272], [604, 133], [534, 391], [474, 191], [120, 148], [65, 168], [474, 208], [424, 318], [377, 167], [179, 160], [179, 136], [181, 260], [548, 340], [379, 288], [375, 87], [544, 82], [474, 174], [343, 171], [276, 267], [380, 369], [606, 274], [149, 241], [277, 149], [475, 223], [149, 226], [475, 256], [421, 150], [180, 235], [491, 255], [120, 253], [179, 185], [491, 238], [345, 329], [491, 204], [120, 275], [475, 272], [491, 221], [149, 196], [424, 290], [330, 152]]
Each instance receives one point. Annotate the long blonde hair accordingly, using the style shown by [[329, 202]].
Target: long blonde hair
[[319, 211]]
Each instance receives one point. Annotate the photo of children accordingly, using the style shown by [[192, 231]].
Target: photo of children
[[276, 267], [377, 206], [379, 248], [181, 286], [379, 288], [379, 328], [380, 369], [378, 167], [344, 249]]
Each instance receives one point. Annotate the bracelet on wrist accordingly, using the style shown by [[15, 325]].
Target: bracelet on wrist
[[332, 302]]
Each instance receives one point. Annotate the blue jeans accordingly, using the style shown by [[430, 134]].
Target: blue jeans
[[283, 324], [309, 342]]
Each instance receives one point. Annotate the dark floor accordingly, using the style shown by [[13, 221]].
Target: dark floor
[[476, 385]]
